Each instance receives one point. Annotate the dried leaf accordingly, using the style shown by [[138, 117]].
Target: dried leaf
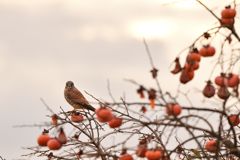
[[178, 67], [140, 91], [196, 152], [152, 103], [54, 120], [152, 94], [206, 35], [154, 72], [143, 109]]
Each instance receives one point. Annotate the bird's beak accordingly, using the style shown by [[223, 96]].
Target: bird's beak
[[69, 86]]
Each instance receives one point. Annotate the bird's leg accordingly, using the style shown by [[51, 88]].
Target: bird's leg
[[73, 112]]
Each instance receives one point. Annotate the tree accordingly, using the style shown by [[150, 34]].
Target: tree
[[156, 131]]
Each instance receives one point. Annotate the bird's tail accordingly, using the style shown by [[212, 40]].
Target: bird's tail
[[89, 107]]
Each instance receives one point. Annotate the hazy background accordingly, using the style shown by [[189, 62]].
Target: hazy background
[[44, 43]]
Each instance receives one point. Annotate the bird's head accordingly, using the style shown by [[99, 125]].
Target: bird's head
[[69, 85]]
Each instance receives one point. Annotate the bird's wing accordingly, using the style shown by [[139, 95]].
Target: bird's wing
[[76, 96]]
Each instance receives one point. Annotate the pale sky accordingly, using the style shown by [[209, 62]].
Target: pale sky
[[44, 43]]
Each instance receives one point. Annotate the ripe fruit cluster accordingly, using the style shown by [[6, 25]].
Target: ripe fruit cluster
[[143, 151], [194, 56], [103, 115], [207, 51], [106, 115], [228, 15], [173, 109], [224, 82], [157, 153], [52, 143], [56, 143], [192, 62]]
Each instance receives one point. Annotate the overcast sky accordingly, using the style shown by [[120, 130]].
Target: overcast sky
[[44, 43]]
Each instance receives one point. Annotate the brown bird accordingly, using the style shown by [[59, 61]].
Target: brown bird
[[75, 98]]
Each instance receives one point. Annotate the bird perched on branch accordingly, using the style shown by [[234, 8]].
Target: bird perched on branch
[[75, 98]]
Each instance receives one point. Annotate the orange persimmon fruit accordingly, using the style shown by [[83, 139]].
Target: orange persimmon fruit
[[43, 139], [54, 144], [115, 122], [175, 108]]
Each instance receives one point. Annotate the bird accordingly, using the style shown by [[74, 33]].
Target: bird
[[75, 98]]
